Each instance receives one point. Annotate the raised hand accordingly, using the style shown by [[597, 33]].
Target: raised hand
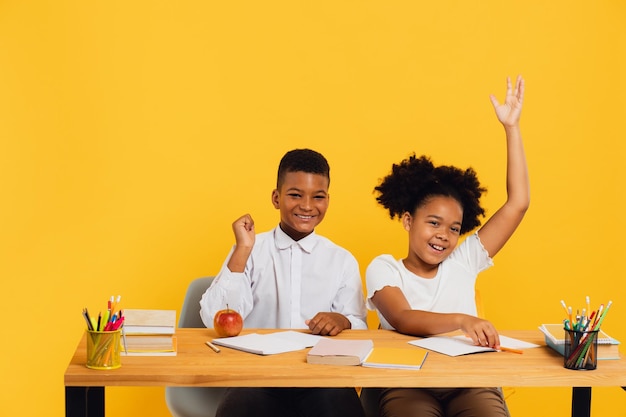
[[508, 113], [243, 228]]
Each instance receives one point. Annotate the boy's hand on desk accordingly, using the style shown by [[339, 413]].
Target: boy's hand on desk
[[328, 324]]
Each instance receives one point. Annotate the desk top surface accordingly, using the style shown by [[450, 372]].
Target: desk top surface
[[197, 365]]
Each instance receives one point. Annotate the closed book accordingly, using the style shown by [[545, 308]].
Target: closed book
[[144, 321], [339, 352], [149, 345], [396, 358], [554, 335]]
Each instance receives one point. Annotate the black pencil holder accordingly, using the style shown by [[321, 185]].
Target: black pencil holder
[[581, 350]]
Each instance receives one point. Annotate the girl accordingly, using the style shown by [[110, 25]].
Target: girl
[[431, 291]]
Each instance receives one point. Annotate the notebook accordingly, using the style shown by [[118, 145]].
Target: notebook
[[396, 358], [270, 343], [462, 345], [554, 335]]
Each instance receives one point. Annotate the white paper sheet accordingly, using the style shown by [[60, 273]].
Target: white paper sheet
[[461, 345], [271, 343]]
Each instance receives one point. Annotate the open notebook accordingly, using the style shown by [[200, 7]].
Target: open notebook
[[270, 343], [554, 335], [461, 345]]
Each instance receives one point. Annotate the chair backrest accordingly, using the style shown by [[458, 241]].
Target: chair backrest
[[190, 313], [193, 401]]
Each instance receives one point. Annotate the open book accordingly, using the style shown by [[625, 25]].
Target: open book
[[340, 352], [554, 334], [462, 345], [270, 343]]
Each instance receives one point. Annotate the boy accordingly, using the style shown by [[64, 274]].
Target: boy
[[290, 278]]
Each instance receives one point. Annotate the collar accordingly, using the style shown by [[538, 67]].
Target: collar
[[283, 241]]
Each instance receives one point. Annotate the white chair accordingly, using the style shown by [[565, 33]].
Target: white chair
[[193, 401]]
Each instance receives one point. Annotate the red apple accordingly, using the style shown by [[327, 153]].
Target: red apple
[[227, 322]]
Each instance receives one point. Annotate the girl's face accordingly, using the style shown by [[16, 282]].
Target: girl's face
[[434, 231]]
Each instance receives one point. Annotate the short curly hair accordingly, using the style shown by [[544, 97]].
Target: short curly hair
[[414, 181], [302, 160]]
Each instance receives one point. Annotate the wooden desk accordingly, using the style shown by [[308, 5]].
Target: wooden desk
[[198, 366]]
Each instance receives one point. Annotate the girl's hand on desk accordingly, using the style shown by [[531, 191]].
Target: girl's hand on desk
[[328, 324], [480, 331]]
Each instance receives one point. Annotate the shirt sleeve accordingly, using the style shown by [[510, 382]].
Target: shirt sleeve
[[232, 289], [472, 253], [349, 300], [381, 272]]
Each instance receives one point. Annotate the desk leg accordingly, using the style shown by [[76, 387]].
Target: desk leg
[[581, 401], [84, 401]]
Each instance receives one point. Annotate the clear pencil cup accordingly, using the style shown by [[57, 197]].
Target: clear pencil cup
[[581, 350], [104, 350]]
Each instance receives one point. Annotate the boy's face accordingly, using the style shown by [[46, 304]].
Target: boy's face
[[302, 200], [434, 231]]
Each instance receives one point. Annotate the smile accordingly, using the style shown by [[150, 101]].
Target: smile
[[303, 217], [437, 247]]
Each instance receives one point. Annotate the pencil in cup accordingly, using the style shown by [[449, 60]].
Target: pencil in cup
[[581, 348], [103, 349]]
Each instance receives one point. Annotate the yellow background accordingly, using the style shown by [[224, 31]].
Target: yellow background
[[133, 133]]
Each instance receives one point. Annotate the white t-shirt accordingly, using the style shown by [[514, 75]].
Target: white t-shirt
[[450, 291], [286, 282]]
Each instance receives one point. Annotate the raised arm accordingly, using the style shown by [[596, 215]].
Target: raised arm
[[243, 228], [229, 286], [499, 228]]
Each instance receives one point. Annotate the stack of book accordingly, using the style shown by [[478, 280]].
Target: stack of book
[[554, 334], [149, 332]]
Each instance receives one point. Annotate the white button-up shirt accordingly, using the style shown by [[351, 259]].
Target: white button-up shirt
[[286, 282]]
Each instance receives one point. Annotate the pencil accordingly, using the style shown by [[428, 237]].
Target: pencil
[[507, 349], [212, 346]]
